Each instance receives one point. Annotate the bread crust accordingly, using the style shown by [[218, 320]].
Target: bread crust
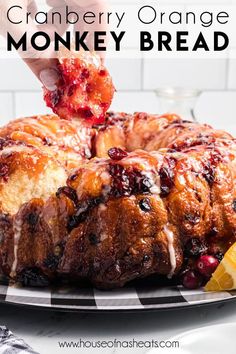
[[115, 220]]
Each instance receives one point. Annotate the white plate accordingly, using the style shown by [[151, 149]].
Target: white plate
[[216, 339], [141, 296]]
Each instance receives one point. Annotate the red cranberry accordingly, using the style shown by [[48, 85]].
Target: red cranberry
[[86, 113], [192, 280], [85, 74], [89, 88], [102, 72], [209, 168], [71, 90], [53, 98], [206, 265], [167, 176], [117, 153], [4, 171]]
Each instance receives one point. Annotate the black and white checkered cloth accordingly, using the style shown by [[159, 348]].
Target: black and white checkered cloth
[[9, 344], [129, 298]]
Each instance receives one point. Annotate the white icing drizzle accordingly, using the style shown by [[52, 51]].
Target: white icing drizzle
[[17, 228], [170, 238]]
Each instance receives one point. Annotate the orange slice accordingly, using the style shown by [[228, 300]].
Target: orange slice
[[224, 277]]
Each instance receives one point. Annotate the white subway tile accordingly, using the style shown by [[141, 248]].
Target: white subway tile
[[232, 70], [15, 75], [195, 73], [28, 104], [6, 108], [126, 73], [135, 102], [218, 109]]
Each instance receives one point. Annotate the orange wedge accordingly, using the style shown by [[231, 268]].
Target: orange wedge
[[224, 277]]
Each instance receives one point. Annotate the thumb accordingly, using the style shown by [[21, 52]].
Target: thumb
[[45, 70]]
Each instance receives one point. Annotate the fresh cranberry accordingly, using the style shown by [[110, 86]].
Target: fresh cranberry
[[117, 153], [192, 280], [102, 72], [206, 265]]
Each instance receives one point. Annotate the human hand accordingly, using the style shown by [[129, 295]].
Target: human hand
[[45, 67]]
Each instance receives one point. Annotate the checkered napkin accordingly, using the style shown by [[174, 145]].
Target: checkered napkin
[[9, 344]]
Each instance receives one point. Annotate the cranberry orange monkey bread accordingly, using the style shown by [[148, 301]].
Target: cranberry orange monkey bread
[[85, 89], [161, 201], [131, 196]]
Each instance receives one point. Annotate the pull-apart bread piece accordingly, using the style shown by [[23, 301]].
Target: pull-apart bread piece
[[138, 195]]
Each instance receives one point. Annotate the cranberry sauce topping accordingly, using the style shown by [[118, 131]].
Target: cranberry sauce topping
[[84, 74], [4, 172], [167, 174], [84, 90], [117, 153], [128, 181], [102, 72], [209, 167], [193, 141], [6, 142]]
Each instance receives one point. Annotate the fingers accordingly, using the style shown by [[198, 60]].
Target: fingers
[[56, 3], [46, 71], [86, 3], [32, 8]]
